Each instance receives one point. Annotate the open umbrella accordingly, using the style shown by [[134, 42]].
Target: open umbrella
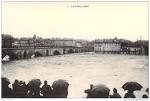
[[60, 88], [60, 83], [99, 91], [132, 86], [34, 82]]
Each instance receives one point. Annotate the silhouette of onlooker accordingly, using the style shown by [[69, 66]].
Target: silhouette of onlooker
[[146, 95], [115, 94], [24, 88], [6, 90], [46, 90], [37, 91], [15, 88], [129, 94], [89, 94], [19, 89]]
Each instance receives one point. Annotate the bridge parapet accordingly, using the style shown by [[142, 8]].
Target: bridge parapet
[[28, 52]]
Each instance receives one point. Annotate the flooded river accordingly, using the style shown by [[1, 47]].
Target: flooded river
[[81, 70]]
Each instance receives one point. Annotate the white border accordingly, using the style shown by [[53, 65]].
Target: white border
[[69, 99]]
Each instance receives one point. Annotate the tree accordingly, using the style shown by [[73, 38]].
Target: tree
[[7, 40]]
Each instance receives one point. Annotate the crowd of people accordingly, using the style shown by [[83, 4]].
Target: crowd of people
[[33, 90], [59, 89]]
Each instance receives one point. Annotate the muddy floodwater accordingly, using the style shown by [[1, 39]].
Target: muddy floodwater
[[81, 70]]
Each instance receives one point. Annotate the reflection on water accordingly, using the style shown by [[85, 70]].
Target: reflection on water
[[81, 70]]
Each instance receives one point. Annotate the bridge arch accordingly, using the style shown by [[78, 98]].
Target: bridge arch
[[38, 54], [10, 53], [56, 52], [70, 51]]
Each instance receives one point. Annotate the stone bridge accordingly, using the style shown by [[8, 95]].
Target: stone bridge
[[28, 52]]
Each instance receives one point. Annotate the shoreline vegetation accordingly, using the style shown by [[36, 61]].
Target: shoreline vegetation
[[59, 89]]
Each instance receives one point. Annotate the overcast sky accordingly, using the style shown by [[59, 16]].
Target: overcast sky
[[128, 20]]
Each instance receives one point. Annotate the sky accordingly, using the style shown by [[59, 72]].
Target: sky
[[126, 20]]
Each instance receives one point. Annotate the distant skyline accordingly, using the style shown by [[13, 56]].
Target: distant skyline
[[124, 20]]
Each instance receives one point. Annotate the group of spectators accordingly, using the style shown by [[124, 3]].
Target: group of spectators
[[20, 89], [59, 89]]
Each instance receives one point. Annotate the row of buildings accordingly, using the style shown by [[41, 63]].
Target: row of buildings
[[36, 42], [120, 46]]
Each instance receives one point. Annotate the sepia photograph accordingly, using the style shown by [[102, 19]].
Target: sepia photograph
[[74, 49]]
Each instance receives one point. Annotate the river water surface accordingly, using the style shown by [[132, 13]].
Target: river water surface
[[81, 70]]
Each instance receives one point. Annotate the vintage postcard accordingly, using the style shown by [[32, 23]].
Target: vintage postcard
[[74, 49]]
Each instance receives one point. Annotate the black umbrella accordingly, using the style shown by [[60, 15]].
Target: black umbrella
[[60, 83], [34, 82], [99, 91], [132, 86], [60, 88]]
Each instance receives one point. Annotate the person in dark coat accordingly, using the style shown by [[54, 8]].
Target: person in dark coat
[[25, 90], [6, 90], [146, 95], [37, 91], [46, 90], [15, 88], [88, 91], [115, 94], [20, 90], [129, 94]]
